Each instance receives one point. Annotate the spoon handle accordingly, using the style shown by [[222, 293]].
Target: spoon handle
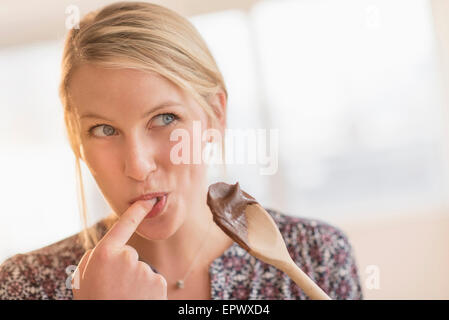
[[309, 287]]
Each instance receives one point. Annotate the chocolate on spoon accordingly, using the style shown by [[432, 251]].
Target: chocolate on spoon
[[246, 222], [228, 204]]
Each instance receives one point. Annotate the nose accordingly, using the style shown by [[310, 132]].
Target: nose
[[139, 159]]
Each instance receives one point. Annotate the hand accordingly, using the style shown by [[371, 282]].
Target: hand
[[112, 270]]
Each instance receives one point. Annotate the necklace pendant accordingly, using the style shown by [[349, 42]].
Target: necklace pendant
[[180, 284]]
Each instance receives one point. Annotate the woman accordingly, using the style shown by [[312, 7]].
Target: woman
[[133, 74]]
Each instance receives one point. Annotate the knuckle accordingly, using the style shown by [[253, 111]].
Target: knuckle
[[145, 269], [129, 255], [129, 248], [103, 253], [161, 280]]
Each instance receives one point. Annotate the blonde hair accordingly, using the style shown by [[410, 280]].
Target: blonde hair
[[141, 36]]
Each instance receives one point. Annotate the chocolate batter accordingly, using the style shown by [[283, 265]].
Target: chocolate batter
[[228, 203]]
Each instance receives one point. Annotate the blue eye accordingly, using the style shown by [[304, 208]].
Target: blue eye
[[107, 130], [167, 118]]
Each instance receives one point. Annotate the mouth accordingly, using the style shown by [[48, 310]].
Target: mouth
[[149, 196]]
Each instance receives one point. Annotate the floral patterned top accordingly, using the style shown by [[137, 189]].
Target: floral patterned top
[[322, 251]]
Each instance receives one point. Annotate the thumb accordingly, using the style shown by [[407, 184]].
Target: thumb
[[79, 271]]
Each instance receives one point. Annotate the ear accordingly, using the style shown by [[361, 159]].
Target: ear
[[218, 103]]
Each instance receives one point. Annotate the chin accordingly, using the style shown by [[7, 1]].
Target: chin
[[159, 231]]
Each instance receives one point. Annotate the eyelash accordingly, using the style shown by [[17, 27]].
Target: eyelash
[[90, 130]]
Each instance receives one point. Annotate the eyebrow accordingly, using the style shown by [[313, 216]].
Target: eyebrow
[[159, 106]]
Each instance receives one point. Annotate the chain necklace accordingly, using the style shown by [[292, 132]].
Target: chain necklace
[[180, 282]]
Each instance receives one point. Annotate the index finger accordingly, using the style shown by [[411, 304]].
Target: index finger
[[123, 229]]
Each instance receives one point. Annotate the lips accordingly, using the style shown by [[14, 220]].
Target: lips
[[157, 208], [149, 196]]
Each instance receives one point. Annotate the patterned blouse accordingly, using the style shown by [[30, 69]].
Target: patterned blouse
[[319, 249]]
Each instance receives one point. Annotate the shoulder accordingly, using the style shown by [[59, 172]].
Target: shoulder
[[323, 251], [42, 273]]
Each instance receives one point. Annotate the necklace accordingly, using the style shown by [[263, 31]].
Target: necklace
[[180, 282]]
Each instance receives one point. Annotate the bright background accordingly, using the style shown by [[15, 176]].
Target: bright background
[[357, 89]]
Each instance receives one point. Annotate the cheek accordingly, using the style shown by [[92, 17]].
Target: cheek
[[187, 172], [103, 165], [191, 173]]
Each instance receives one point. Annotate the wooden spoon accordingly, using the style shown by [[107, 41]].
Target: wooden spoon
[[266, 243], [241, 217]]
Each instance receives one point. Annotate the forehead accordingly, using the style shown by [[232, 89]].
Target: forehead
[[95, 87]]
